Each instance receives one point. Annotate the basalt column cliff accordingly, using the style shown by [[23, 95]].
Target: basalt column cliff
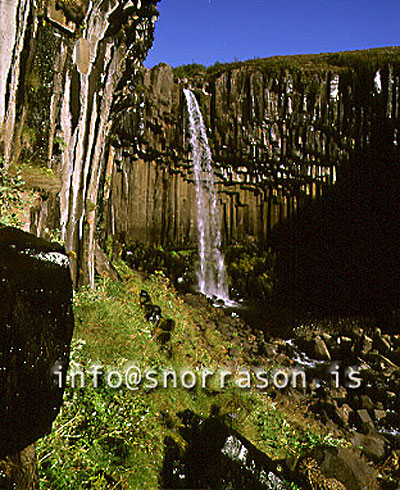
[[64, 69], [281, 130]]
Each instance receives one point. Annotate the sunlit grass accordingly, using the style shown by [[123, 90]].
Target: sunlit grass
[[114, 438]]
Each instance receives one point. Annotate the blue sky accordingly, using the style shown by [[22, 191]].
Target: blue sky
[[206, 31]]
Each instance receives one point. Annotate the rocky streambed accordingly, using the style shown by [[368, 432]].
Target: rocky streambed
[[352, 378]]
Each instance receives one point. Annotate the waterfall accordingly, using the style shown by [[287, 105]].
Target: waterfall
[[212, 280]]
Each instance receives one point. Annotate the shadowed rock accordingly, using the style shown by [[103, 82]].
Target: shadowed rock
[[217, 456], [36, 324]]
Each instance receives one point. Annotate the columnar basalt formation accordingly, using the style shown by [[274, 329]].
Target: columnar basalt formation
[[63, 65], [282, 131], [73, 97]]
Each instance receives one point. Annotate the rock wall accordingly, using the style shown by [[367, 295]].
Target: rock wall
[[282, 131], [74, 98], [63, 67]]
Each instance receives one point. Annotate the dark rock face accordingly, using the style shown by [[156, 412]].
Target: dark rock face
[[36, 324], [340, 253]]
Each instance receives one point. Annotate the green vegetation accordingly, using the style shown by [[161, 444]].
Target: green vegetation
[[114, 438], [189, 71], [13, 199], [250, 271], [341, 61], [151, 258], [19, 184]]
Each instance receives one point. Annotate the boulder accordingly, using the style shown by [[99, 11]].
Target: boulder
[[372, 445], [345, 466], [367, 403], [36, 324], [213, 455], [321, 351], [382, 344], [365, 419], [344, 412], [367, 344], [345, 343]]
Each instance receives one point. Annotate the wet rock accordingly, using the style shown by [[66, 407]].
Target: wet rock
[[36, 324], [394, 356], [327, 337], [379, 414], [339, 415], [345, 343], [367, 403], [306, 344], [382, 344], [338, 394], [383, 363]]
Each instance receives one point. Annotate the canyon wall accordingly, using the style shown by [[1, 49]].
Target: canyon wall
[[63, 68], [75, 99], [282, 131]]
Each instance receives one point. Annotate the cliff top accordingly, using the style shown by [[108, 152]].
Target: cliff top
[[339, 61]]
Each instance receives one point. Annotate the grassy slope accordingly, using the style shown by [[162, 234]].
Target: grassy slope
[[108, 438]]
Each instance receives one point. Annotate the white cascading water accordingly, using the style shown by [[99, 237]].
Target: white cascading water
[[211, 274]]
